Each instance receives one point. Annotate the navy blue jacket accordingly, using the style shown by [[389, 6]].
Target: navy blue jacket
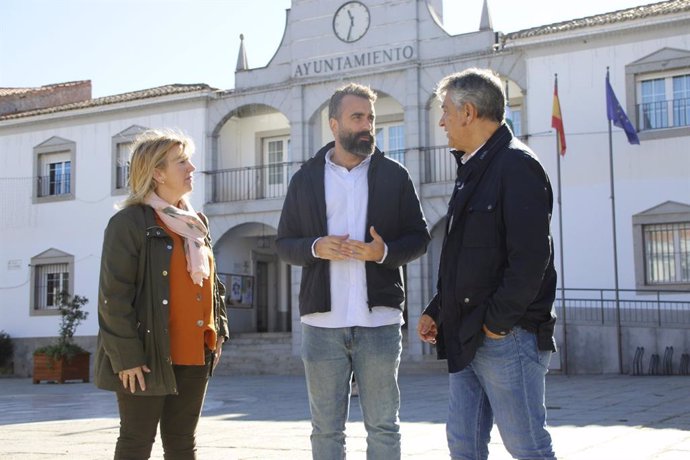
[[497, 259], [394, 210]]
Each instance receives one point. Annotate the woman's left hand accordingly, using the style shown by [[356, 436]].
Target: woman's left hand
[[219, 350]]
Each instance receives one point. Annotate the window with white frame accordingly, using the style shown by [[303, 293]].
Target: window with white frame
[[654, 106], [122, 165], [390, 138], [121, 152], [514, 119], [275, 152], [57, 176], [661, 238], [54, 166], [681, 100], [51, 274], [658, 93]]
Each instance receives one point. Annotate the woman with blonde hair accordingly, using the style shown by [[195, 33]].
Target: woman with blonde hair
[[161, 308]]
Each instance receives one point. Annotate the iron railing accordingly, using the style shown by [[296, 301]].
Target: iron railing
[[636, 307], [54, 184], [397, 155], [251, 182], [663, 114], [271, 181], [439, 164]]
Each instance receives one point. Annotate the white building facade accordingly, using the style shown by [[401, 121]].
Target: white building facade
[[63, 167]]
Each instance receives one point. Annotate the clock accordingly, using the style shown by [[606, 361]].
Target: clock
[[351, 21]]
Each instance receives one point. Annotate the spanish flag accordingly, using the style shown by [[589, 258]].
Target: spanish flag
[[557, 119]]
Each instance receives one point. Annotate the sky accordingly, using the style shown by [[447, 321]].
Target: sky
[[130, 45]]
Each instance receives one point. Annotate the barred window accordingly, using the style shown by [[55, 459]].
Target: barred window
[[52, 279], [52, 272], [667, 253]]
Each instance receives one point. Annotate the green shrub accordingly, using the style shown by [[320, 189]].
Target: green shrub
[[6, 349], [72, 315]]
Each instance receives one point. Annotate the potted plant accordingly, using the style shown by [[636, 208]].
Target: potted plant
[[6, 354], [64, 360]]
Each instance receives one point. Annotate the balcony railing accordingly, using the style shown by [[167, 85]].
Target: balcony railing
[[397, 155], [271, 181], [54, 184], [663, 114], [252, 182], [598, 306], [439, 164]]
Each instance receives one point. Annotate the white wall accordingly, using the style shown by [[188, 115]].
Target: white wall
[[75, 226], [645, 175], [237, 141]]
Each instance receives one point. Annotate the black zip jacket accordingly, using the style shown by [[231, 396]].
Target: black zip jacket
[[497, 259], [394, 210]]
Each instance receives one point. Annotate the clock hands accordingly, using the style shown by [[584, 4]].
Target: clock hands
[[352, 24], [351, 21]]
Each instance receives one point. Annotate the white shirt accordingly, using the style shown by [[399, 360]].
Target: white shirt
[[347, 199]]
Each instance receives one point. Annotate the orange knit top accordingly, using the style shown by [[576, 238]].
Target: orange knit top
[[191, 322]]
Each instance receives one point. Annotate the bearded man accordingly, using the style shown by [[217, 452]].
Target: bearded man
[[352, 219]]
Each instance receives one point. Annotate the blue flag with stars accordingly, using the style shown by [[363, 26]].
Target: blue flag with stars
[[616, 114]]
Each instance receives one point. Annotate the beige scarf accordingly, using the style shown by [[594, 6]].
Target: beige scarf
[[185, 222]]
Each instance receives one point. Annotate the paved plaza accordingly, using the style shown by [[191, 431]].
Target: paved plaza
[[267, 418]]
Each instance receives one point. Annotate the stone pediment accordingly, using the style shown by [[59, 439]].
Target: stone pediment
[[54, 141], [667, 207], [664, 54], [132, 131], [668, 211], [660, 60], [51, 255]]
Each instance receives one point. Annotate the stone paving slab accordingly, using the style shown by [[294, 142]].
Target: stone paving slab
[[267, 418]]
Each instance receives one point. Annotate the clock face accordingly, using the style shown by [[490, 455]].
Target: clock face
[[351, 21]]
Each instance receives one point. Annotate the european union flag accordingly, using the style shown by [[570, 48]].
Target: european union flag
[[616, 114]]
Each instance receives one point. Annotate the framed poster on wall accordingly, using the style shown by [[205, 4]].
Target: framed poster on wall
[[239, 290]]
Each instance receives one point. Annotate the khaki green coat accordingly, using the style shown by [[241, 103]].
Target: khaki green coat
[[133, 305]]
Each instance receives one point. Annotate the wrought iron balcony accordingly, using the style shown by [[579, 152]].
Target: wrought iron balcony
[[252, 182], [439, 164], [271, 181], [663, 114], [54, 184]]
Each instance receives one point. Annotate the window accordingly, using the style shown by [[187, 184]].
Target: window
[[122, 165], [57, 179], [657, 94], [681, 100], [54, 166], [51, 273], [667, 253], [390, 138], [661, 238], [653, 110], [275, 151], [514, 120], [121, 151]]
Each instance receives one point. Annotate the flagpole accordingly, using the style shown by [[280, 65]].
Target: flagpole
[[615, 249], [560, 236]]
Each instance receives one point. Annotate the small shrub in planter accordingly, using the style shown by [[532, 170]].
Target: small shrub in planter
[[64, 360]]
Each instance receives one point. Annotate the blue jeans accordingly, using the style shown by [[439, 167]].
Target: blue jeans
[[505, 381], [330, 358]]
